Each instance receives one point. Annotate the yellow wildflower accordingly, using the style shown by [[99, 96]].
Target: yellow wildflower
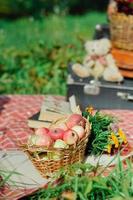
[[109, 146], [115, 140], [89, 109], [122, 135]]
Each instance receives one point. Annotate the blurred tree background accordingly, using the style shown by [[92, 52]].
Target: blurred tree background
[[38, 38], [22, 7]]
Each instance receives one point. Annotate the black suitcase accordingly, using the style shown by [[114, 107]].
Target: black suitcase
[[100, 94]]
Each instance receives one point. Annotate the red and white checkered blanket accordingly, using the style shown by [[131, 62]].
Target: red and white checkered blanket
[[14, 112]]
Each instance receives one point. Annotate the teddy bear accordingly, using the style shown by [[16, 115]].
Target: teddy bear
[[98, 62]]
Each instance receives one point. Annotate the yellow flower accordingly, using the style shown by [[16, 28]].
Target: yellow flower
[[115, 140], [122, 135], [109, 146], [89, 109]]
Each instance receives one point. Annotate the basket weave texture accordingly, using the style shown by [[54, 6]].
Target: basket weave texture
[[121, 28], [57, 158]]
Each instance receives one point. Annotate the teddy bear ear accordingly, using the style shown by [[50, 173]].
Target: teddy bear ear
[[106, 42]]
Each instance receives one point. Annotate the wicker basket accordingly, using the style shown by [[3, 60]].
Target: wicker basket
[[121, 28], [43, 160]]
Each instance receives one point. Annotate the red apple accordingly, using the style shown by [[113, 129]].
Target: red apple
[[82, 122], [70, 137], [56, 133], [39, 140], [41, 131], [79, 130], [45, 140], [60, 125], [73, 120]]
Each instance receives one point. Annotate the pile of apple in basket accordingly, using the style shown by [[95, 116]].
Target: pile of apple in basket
[[63, 143]]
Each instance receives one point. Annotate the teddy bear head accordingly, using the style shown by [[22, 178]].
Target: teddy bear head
[[98, 47]]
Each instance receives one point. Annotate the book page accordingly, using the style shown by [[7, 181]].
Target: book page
[[53, 109]]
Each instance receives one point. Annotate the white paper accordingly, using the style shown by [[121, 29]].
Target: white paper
[[54, 105], [17, 161], [106, 160]]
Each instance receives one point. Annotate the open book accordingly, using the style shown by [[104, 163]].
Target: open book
[[51, 110]]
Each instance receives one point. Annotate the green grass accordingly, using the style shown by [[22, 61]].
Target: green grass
[[34, 53], [86, 183]]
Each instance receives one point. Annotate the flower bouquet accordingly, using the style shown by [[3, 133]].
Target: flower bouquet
[[106, 136]]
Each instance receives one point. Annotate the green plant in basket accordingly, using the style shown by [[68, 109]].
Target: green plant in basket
[[106, 136]]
